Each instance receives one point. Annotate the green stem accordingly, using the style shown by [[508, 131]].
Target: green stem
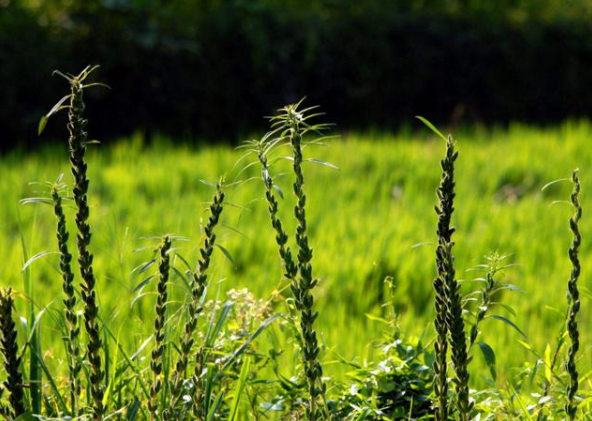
[[198, 287], [9, 349], [70, 301], [281, 238], [444, 210], [159, 326], [77, 142], [302, 286], [571, 406]]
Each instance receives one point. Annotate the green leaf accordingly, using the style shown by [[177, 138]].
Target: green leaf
[[227, 254], [43, 200], [26, 417], [240, 387], [208, 183], [521, 404], [546, 186], [143, 283], [57, 107], [244, 346], [326, 164], [144, 266], [431, 127], [489, 356], [214, 330], [41, 127], [509, 322], [279, 190], [132, 411], [37, 256], [505, 307], [215, 406], [548, 370]]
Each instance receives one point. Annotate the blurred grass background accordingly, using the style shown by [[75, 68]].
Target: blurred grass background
[[364, 221]]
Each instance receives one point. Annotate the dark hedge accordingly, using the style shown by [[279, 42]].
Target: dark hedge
[[212, 69]]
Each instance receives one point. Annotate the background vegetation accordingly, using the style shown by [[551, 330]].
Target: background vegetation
[[364, 221], [184, 67]]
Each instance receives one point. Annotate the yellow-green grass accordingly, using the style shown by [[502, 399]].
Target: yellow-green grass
[[364, 221]]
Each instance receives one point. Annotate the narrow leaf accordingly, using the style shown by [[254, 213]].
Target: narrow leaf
[[326, 164], [240, 387], [509, 322], [227, 254], [37, 256], [431, 127], [489, 356]]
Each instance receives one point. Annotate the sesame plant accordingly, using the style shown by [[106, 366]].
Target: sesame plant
[[573, 295], [9, 347], [78, 142], [449, 322], [571, 329], [156, 365], [289, 128], [486, 299], [70, 300], [194, 308]]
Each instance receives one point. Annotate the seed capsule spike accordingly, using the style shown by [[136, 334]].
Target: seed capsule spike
[[573, 294]]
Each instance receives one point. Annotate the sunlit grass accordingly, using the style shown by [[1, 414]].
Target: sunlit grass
[[363, 223]]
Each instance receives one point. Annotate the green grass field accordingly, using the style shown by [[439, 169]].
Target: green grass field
[[364, 222]]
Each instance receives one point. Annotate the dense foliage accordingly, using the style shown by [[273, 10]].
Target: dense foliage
[[184, 67], [246, 358]]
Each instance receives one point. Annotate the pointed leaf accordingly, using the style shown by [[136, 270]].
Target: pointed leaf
[[41, 127], [227, 254], [326, 164], [509, 322], [279, 190], [37, 256], [489, 356], [431, 127]]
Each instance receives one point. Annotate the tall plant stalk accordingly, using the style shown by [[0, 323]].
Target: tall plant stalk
[[293, 123], [70, 301], [289, 266], [78, 141], [451, 288], [573, 294], [449, 323], [159, 326], [9, 348], [198, 287], [458, 340], [444, 210]]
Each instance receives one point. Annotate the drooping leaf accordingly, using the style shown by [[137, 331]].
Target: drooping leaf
[[279, 190], [431, 127], [227, 254], [36, 257], [489, 356], [41, 127], [509, 322], [143, 283], [244, 346], [326, 164]]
